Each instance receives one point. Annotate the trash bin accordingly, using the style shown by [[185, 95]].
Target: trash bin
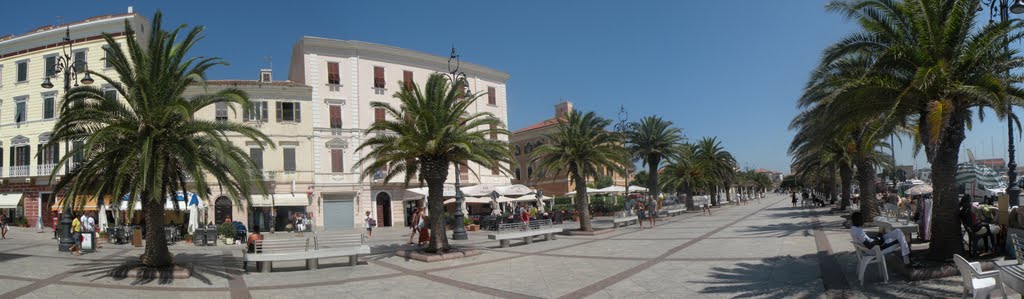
[[137, 236]]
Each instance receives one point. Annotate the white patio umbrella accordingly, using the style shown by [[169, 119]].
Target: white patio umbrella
[[102, 215]]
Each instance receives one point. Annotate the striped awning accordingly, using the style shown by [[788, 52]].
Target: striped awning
[[969, 172]]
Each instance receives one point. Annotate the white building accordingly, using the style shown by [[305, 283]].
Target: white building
[[346, 76]]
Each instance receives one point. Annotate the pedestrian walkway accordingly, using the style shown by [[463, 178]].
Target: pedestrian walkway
[[762, 249]]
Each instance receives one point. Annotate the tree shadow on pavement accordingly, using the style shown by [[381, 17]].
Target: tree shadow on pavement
[[202, 266], [775, 277], [779, 229]]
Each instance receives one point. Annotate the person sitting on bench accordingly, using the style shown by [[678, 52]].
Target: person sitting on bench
[[892, 238]]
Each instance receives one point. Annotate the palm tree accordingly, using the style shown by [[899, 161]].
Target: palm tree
[[718, 163], [432, 129], [582, 149], [148, 144], [651, 140], [684, 174], [939, 67]]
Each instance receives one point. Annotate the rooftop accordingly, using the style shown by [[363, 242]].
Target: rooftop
[[62, 26], [543, 124], [254, 83]]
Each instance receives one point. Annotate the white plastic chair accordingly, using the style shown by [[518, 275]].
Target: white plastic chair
[[981, 283], [874, 255]]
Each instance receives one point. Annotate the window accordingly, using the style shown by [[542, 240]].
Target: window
[[79, 156], [19, 111], [464, 170], [22, 71], [265, 77], [48, 107], [221, 111], [518, 152], [48, 154], [337, 160], [335, 116], [110, 93], [289, 159], [333, 75], [492, 99], [529, 172], [517, 174], [20, 155], [256, 155], [378, 77], [48, 64], [494, 171], [289, 111], [494, 132], [80, 61], [106, 58], [378, 114], [257, 113], [407, 80]]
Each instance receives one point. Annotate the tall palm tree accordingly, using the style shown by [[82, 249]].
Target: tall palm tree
[[940, 67], [652, 139], [582, 149], [719, 164], [431, 130], [148, 144], [685, 174]]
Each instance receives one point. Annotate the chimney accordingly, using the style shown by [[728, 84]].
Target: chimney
[[562, 108], [266, 76]]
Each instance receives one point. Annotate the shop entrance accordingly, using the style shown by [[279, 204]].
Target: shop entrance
[[383, 209], [222, 210]]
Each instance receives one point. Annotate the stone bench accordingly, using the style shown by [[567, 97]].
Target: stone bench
[[310, 250], [673, 210], [350, 245], [624, 218], [524, 230]]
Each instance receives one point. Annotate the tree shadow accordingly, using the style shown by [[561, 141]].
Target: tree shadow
[[780, 229], [775, 277], [202, 267]]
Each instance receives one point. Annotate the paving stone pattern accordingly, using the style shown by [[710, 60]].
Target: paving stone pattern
[[763, 249]]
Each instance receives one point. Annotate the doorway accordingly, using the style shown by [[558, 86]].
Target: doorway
[[383, 209], [222, 210]]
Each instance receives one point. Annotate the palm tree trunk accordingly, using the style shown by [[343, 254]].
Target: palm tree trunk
[[866, 178], [652, 175], [582, 205], [155, 254], [846, 180], [689, 196], [946, 234], [714, 196], [435, 173], [728, 195]]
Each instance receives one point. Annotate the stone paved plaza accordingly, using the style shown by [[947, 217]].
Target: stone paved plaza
[[764, 249]]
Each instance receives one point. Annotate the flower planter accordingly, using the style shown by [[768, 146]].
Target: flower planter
[[473, 227], [229, 241]]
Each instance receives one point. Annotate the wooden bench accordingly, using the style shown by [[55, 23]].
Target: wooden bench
[[350, 245], [269, 251], [624, 218], [525, 230]]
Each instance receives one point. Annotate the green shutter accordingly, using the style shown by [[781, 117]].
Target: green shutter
[[298, 112]]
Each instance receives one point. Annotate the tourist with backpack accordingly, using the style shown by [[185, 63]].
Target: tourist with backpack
[[370, 223]]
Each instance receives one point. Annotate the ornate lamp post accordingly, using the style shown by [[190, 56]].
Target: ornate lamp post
[[66, 65], [1003, 8], [458, 80], [622, 126]]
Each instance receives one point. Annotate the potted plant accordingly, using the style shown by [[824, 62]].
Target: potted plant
[[188, 238], [227, 231], [22, 222]]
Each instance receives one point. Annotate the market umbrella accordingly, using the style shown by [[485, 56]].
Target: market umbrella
[[920, 189], [970, 172], [102, 214]]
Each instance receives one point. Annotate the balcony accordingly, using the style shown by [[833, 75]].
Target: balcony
[[16, 171], [45, 169]]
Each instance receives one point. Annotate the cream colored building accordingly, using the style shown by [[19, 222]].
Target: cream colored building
[[281, 111], [345, 77], [28, 111]]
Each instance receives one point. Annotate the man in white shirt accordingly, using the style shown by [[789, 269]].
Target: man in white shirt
[[892, 238]]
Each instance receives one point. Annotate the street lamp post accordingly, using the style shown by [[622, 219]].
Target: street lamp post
[[70, 68], [622, 127], [458, 80], [1004, 9]]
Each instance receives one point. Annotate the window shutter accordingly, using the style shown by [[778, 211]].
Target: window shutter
[[407, 79], [333, 75], [378, 114], [378, 77], [298, 112], [277, 106], [245, 113], [56, 154], [491, 97], [256, 155], [337, 164], [1, 157], [494, 171], [39, 156], [289, 159], [335, 116], [265, 112], [464, 170]]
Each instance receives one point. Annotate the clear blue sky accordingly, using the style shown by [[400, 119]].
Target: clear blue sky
[[731, 69]]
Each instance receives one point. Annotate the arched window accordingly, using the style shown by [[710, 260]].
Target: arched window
[[529, 172], [518, 152], [529, 147]]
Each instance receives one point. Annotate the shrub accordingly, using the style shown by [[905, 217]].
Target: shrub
[[226, 230], [467, 221], [563, 200]]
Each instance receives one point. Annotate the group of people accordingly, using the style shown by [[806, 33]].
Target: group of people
[[645, 209], [419, 226], [79, 225]]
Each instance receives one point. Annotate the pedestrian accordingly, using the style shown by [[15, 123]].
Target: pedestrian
[[3, 225], [300, 223], [76, 235], [640, 210], [415, 223], [524, 214], [652, 210], [793, 195], [424, 232], [370, 223], [251, 243]]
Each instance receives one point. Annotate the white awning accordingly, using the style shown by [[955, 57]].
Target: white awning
[[9, 200], [470, 200], [280, 200]]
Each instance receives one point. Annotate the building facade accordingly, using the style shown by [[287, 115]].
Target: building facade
[[525, 140], [346, 76], [280, 111], [28, 111]]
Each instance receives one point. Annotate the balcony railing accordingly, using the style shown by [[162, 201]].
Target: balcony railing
[[44, 169], [19, 170]]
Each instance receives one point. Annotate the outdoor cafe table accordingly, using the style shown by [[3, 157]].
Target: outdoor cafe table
[[886, 224], [1011, 275]]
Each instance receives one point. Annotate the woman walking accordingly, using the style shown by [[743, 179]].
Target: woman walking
[[424, 232], [640, 210], [415, 223], [3, 225]]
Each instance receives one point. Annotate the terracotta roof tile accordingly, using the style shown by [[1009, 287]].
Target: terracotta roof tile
[[543, 124]]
